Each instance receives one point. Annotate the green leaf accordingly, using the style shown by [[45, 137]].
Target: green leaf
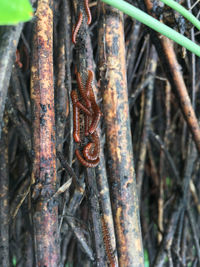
[[146, 258], [15, 11], [14, 261]]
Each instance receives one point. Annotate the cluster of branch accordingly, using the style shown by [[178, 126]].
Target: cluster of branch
[[54, 211]]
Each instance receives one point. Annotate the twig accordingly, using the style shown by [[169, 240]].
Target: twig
[[9, 37], [119, 146], [44, 179]]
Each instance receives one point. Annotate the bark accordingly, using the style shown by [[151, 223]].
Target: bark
[[4, 201], [117, 123], [45, 214], [9, 37], [147, 118]]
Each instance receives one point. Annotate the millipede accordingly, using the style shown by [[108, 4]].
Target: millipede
[[87, 10], [89, 90], [83, 108], [107, 244], [91, 150], [76, 102], [86, 121], [92, 114], [77, 27], [95, 121], [95, 107], [82, 90], [88, 164], [76, 119]]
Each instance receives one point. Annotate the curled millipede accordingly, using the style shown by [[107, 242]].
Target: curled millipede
[[91, 150], [77, 27], [88, 164], [107, 244], [82, 90], [87, 10], [76, 117]]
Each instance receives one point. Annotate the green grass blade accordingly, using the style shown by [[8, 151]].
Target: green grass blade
[[183, 11], [154, 24]]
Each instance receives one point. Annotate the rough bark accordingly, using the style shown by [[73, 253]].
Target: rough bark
[[117, 123], [4, 201], [45, 214], [9, 37]]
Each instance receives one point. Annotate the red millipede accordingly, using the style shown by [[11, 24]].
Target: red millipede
[[91, 150], [76, 122], [82, 90], [74, 97], [83, 108], [95, 107], [76, 102], [107, 244], [96, 119], [86, 121], [87, 10], [77, 27], [88, 164]]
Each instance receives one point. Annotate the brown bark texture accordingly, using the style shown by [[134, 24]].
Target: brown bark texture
[[118, 137], [44, 182]]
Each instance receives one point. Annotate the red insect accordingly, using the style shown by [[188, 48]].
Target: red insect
[[87, 10], [76, 102], [91, 150], [95, 121], [95, 107], [92, 115], [83, 108], [76, 121], [77, 27], [88, 164], [88, 85], [107, 244], [86, 121], [82, 90]]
